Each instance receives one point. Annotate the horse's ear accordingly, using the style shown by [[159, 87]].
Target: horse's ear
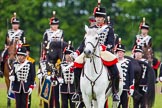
[[86, 28]]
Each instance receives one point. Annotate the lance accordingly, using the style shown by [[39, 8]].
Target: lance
[[99, 4]]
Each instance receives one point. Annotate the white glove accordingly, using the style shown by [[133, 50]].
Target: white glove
[[30, 91], [74, 55], [48, 77], [131, 90], [39, 75], [12, 78], [160, 79], [60, 80], [67, 67], [144, 88]]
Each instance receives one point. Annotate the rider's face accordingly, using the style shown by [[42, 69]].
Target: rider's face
[[144, 31], [15, 26], [138, 55], [21, 58], [68, 58], [100, 20], [120, 54], [54, 27]]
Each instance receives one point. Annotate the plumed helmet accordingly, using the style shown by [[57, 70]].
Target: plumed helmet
[[138, 48], [21, 51]]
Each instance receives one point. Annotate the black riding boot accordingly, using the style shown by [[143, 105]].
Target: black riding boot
[[77, 96], [114, 73], [1, 71]]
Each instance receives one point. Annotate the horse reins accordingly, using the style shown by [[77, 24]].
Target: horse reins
[[93, 82]]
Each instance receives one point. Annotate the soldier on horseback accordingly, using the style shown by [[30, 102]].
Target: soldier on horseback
[[53, 34], [143, 39], [107, 43], [14, 34]]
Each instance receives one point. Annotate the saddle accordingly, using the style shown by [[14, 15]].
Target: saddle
[[107, 58]]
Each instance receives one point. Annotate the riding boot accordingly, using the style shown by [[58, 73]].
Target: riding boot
[[1, 69], [77, 96], [114, 73]]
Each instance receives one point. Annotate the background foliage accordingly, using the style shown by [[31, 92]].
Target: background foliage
[[126, 16]]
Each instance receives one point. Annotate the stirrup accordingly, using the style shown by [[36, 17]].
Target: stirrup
[[116, 97], [76, 98]]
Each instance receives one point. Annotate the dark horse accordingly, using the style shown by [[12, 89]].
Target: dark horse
[[54, 53], [148, 54], [148, 98], [8, 61]]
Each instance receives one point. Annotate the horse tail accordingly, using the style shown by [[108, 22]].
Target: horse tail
[[151, 87]]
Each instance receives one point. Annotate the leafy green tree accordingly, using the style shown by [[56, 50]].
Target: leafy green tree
[[126, 16]]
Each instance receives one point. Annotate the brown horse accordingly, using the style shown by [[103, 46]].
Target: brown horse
[[8, 61], [148, 54]]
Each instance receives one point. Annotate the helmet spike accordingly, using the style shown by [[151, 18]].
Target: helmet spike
[[54, 13], [119, 40], [14, 14], [144, 20], [99, 4], [108, 19], [69, 44]]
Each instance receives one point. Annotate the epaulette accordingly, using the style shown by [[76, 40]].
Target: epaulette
[[30, 59]]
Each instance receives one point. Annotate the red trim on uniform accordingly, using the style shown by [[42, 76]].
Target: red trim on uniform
[[156, 66], [31, 86], [110, 63], [100, 25], [133, 49], [77, 51], [64, 49], [132, 87], [51, 19], [94, 11], [72, 69], [140, 25], [78, 65], [27, 101], [103, 47], [91, 20], [107, 104], [6, 57]]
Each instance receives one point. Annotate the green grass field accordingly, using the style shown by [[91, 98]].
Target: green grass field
[[36, 99]]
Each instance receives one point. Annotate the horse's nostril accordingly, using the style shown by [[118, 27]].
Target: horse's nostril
[[87, 52]]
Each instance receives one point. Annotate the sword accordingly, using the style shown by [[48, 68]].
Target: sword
[[10, 89]]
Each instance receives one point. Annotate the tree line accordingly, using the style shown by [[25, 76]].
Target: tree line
[[126, 16]]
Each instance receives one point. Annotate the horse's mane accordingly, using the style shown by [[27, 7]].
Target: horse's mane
[[58, 44], [91, 32]]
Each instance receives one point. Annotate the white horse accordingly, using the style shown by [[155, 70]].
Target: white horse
[[94, 82]]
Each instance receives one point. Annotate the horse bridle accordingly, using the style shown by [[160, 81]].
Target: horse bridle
[[94, 47]]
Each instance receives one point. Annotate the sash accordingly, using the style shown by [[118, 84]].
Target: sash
[[144, 39], [53, 35], [15, 33], [21, 66]]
